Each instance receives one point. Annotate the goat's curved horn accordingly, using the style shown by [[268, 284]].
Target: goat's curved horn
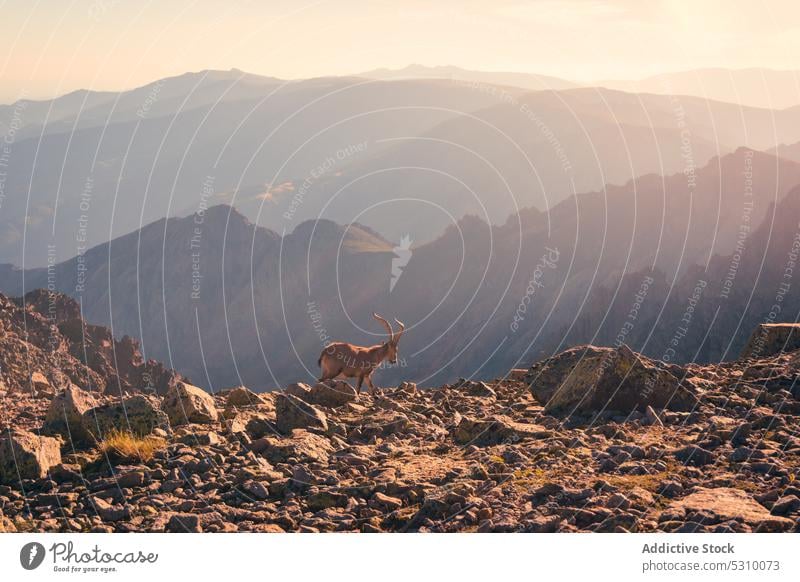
[[386, 325], [402, 329]]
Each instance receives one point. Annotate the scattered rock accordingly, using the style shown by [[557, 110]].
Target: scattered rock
[[694, 455], [131, 479], [254, 423], [298, 389], [618, 501], [496, 430], [300, 445], [41, 385], [332, 394], [242, 396], [407, 388], [742, 454], [185, 403], [721, 504], [786, 505], [326, 499], [184, 523], [24, 455], [6, 525], [256, 489], [108, 512], [204, 438], [66, 414], [472, 388], [670, 489], [292, 412], [386, 502]]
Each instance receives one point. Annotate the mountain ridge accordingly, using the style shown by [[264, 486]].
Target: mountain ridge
[[265, 304]]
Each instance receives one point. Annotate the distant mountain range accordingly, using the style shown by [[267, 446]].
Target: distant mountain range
[[789, 152], [404, 157], [221, 142], [755, 87], [225, 301], [527, 81]]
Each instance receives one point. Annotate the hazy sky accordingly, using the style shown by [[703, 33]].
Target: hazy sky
[[55, 46]]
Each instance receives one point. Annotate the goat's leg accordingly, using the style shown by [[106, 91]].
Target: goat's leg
[[358, 384], [370, 384], [329, 374]]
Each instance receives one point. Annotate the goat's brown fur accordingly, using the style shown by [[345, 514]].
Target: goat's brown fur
[[341, 359]]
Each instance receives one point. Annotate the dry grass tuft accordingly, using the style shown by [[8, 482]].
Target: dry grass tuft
[[125, 446]]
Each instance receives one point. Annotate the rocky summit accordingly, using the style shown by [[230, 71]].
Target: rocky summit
[[591, 439]]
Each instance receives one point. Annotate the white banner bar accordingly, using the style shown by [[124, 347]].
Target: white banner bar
[[400, 557]]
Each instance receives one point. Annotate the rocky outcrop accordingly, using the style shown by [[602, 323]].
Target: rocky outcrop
[[24, 455], [588, 380], [770, 339], [185, 403], [45, 346]]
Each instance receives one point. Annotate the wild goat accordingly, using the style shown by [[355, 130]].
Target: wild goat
[[349, 361]]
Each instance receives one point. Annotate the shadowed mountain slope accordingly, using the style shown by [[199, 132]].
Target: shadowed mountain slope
[[227, 302]]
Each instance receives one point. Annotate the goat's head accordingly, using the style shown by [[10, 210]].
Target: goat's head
[[391, 343]]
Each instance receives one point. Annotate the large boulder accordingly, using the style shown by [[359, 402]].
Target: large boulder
[[291, 412], [24, 455], [588, 379], [65, 414], [185, 403], [332, 394], [138, 414], [722, 504], [769, 339]]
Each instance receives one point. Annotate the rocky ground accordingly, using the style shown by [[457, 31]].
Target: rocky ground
[[593, 439]]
